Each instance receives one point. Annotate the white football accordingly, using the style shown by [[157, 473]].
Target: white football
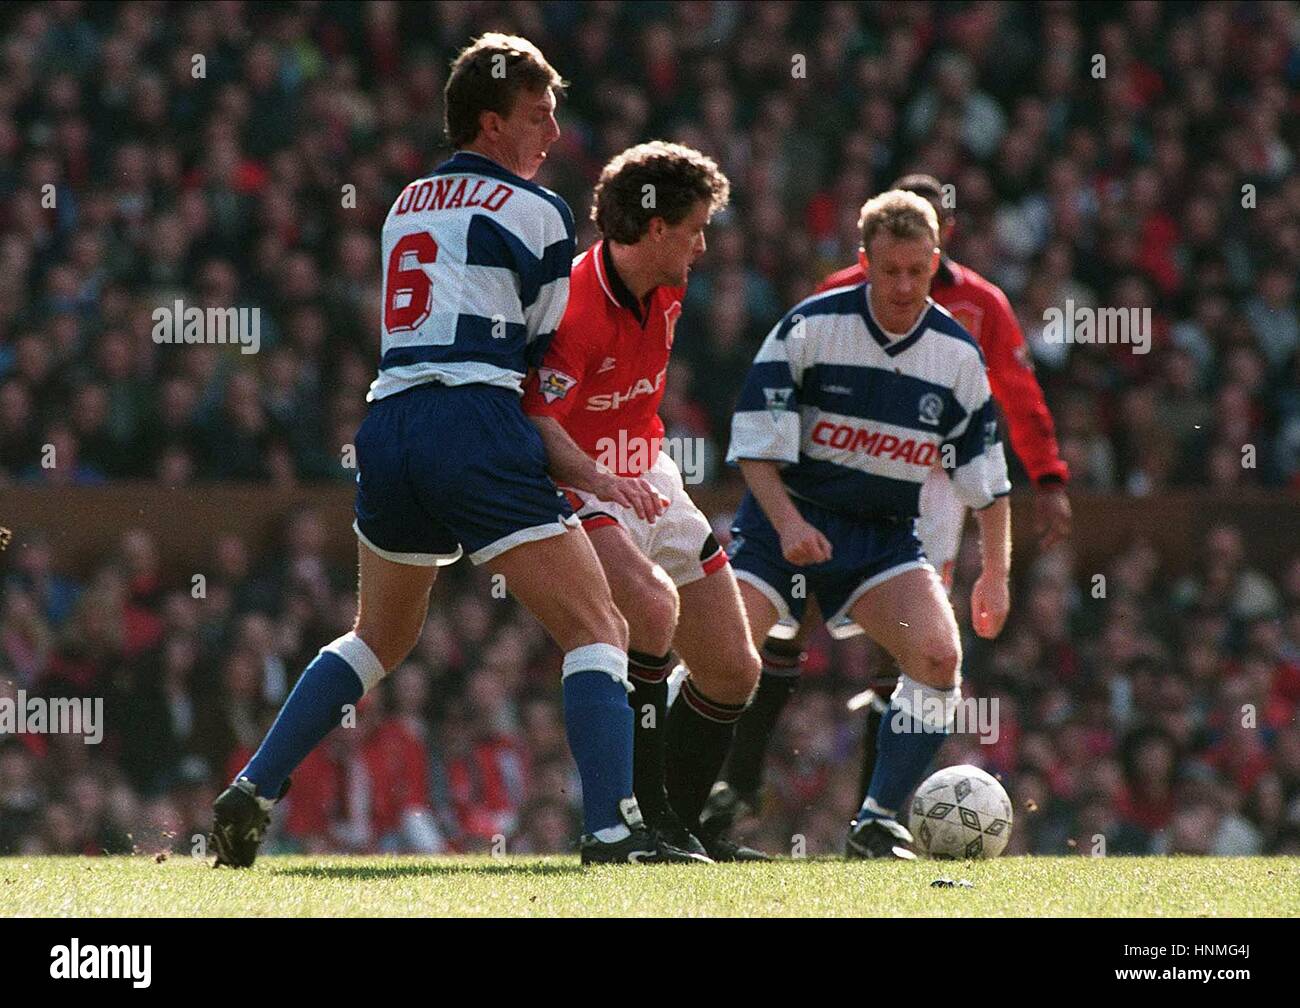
[[960, 812]]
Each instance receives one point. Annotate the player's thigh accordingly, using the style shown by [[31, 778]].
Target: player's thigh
[[714, 637], [910, 617], [392, 603], [642, 591], [560, 581]]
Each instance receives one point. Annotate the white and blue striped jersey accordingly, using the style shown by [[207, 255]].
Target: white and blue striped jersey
[[859, 418], [476, 277]]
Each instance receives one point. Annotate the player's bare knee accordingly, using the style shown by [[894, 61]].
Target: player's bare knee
[[391, 641], [937, 662], [731, 673], [652, 618]]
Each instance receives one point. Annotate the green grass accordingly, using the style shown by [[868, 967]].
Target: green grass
[[557, 886]]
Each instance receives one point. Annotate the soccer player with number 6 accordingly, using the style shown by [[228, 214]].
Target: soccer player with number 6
[[477, 260]]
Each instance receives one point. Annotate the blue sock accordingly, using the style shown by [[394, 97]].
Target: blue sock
[[901, 759], [312, 711], [598, 721]]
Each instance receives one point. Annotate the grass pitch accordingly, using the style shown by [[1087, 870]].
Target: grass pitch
[[558, 886]]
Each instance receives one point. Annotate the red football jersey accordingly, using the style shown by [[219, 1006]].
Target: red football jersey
[[984, 310], [603, 375]]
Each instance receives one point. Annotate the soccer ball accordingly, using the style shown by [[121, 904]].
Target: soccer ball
[[961, 812]]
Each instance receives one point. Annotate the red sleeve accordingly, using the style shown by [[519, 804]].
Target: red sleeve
[[1017, 392], [550, 390], [853, 274]]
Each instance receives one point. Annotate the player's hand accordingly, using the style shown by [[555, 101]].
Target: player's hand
[[631, 492], [990, 601], [1052, 515], [802, 545]]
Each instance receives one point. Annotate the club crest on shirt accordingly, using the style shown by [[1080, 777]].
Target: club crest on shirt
[[554, 384], [671, 314], [931, 408], [777, 400]]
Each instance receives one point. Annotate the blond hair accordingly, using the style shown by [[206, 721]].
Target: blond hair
[[898, 213]]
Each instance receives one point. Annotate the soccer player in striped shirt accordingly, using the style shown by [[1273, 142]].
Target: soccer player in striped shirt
[[476, 259], [983, 309], [855, 395]]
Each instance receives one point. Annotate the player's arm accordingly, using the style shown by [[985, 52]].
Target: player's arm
[[544, 282], [1032, 432], [977, 464], [990, 600], [765, 435], [801, 544], [569, 465]]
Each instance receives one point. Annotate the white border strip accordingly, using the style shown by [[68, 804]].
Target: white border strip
[[412, 559], [524, 535], [841, 626], [770, 593]]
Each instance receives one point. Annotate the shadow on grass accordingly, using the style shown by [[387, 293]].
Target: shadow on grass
[[364, 873]]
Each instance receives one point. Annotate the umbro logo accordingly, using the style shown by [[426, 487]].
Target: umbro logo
[[607, 366]]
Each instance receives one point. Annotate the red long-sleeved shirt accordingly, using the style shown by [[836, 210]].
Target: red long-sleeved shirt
[[981, 307]]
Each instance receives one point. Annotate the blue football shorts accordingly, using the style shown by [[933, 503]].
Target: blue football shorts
[[863, 554], [445, 470]]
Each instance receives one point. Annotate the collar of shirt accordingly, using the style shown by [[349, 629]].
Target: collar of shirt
[[620, 290]]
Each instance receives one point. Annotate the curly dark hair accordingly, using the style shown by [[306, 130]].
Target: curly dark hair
[[655, 179]]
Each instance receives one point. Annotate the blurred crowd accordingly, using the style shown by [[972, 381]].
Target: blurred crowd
[[1161, 717], [244, 155], [238, 154]]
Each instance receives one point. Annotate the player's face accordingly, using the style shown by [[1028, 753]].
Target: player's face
[[680, 245], [528, 132], [900, 270]]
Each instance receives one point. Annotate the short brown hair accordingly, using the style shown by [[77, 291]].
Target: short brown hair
[[676, 178], [898, 213], [487, 76]]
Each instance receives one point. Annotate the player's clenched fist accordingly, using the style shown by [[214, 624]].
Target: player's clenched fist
[[631, 492], [990, 601], [803, 545]]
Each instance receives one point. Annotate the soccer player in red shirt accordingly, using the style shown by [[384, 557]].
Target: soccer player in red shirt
[[983, 309], [595, 399]]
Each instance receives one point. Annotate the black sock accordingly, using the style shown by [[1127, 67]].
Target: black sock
[[754, 729], [649, 700], [699, 735], [884, 689]]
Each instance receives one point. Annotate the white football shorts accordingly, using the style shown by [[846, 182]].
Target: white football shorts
[[680, 540]]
